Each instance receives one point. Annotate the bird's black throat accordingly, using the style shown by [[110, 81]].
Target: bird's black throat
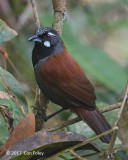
[[40, 52]]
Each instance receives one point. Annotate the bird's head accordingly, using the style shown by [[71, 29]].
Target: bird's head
[[46, 37], [47, 43]]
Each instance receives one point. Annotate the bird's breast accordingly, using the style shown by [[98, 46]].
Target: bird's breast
[[63, 82], [57, 68], [46, 72]]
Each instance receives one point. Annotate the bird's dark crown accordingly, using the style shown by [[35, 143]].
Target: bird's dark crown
[[47, 43], [46, 36]]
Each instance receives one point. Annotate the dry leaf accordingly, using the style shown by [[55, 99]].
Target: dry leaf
[[47, 144], [24, 129]]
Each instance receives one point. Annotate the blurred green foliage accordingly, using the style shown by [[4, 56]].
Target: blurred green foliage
[[84, 33], [9, 103]]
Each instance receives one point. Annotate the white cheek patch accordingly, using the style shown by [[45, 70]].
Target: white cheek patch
[[47, 44], [51, 34]]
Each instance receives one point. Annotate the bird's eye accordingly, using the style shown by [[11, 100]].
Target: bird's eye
[[48, 36]]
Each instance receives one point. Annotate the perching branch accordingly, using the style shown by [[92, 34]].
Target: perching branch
[[101, 154], [41, 101], [77, 156], [111, 145], [75, 120], [59, 13], [37, 22]]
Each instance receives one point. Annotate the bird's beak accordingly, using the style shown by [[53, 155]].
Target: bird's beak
[[35, 38]]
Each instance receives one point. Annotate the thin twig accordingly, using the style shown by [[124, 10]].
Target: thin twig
[[111, 145], [40, 99], [112, 142], [122, 105], [5, 64], [5, 56], [37, 22], [111, 107], [101, 154], [75, 120], [76, 155]]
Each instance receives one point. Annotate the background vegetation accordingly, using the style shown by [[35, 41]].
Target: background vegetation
[[95, 33]]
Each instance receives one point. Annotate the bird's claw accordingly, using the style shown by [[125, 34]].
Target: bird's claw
[[39, 113], [45, 118], [38, 110]]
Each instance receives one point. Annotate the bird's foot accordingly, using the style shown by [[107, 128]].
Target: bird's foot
[[42, 114], [37, 110], [45, 118]]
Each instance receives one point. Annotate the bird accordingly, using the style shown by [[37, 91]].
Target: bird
[[63, 82]]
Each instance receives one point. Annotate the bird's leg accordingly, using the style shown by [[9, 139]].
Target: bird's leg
[[53, 114], [46, 117]]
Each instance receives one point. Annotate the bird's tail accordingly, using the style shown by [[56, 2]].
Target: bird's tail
[[96, 120]]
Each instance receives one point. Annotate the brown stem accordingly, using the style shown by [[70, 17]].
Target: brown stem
[[37, 22], [77, 156], [111, 145], [40, 99], [101, 154], [59, 13], [5, 64]]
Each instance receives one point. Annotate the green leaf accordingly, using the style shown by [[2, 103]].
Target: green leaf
[[14, 86], [66, 156], [17, 106], [6, 33], [122, 155], [4, 134], [116, 157]]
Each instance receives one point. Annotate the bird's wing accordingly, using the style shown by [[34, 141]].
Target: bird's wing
[[64, 77]]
